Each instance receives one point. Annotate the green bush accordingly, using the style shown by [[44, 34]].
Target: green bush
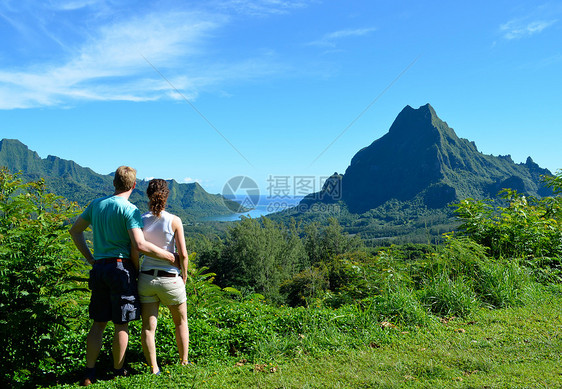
[[546, 270], [255, 330], [41, 288], [459, 278], [305, 287], [401, 306], [503, 284], [450, 297], [526, 228]]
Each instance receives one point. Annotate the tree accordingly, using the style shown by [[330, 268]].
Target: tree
[[258, 256], [324, 243]]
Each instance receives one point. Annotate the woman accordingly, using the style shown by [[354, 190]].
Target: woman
[[161, 281]]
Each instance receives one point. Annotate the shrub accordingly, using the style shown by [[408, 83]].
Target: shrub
[[526, 228], [304, 287], [41, 294], [201, 291], [459, 277], [401, 305], [445, 296], [503, 284]]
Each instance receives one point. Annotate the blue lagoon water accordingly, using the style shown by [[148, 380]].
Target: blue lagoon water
[[265, 206]]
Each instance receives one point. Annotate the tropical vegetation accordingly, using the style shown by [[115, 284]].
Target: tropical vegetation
[[303, 305]]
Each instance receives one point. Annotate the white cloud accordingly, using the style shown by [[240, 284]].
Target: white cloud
[[331, 38], [189, 180], [515, 29]]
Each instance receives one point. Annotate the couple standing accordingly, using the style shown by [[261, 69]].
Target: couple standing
[[120, 234]]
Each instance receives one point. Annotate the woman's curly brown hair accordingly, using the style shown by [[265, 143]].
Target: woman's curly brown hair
[[157, 193]]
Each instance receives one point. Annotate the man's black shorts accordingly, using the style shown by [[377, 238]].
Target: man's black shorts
[[113, 283]]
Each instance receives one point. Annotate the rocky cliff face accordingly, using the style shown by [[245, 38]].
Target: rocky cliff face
[[421, 156]]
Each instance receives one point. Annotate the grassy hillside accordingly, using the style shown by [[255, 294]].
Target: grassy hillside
[[508, 348]]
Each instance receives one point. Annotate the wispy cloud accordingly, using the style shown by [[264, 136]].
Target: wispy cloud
[[517, 28], [14, 23], [71, 5], [330, 39], [110, 66], [261, 7], [100, 57], [186, 180]]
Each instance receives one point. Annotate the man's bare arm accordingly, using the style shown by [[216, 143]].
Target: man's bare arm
[[135, 256], [147, 248], [77, 234]]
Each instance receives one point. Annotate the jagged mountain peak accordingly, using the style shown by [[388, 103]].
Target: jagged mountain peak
[[13, 142], [423, 111], [14, 146], [421, 156], [421, 124]]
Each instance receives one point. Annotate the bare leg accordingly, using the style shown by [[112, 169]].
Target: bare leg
[[149, 322], [94, 343], [179, 315], [120, 341]]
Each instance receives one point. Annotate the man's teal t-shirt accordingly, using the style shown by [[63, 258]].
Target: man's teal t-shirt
[[111, 217]]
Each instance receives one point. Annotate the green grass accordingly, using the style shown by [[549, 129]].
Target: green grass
[[518, 347]]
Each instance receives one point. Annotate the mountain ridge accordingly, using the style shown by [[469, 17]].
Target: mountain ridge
[[418, 166], [64, 177]]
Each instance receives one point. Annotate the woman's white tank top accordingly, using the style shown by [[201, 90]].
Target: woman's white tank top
[[158, 230]]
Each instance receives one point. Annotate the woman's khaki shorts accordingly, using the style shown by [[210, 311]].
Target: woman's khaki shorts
[[167, 290]]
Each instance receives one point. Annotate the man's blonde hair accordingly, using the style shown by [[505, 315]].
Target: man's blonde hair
[[125, 178]]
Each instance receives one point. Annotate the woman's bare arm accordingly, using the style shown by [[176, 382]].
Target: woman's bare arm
[[179, 236]]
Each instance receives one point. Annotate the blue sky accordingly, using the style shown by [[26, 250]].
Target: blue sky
[[206, 91]]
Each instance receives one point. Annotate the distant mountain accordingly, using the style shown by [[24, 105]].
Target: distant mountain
[[421, 158], [76, 183]]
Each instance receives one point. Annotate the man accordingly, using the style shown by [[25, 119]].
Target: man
[[117, 227]]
